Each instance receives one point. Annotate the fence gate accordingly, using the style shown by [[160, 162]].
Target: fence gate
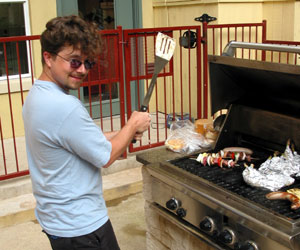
[[178, 85]]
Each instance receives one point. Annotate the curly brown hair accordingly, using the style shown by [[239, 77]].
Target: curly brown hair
[[70, 31]]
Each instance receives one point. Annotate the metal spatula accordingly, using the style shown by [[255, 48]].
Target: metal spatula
[[164, 50]]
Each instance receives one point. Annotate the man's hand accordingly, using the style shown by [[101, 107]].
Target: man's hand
[[138, 136], [140, 120], [136, 125]]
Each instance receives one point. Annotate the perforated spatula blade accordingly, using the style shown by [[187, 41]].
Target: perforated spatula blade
[[164, 50]]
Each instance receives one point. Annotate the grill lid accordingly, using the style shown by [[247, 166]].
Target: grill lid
[[262, 99], [264, 85]]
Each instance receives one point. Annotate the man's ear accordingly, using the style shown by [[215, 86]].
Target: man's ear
[[47, 57]]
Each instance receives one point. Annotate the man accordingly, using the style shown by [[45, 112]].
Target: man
[[65, 149]]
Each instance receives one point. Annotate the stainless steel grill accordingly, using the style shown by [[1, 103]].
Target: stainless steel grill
[[215, 203]]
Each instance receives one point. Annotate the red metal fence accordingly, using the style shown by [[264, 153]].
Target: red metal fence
[[116, 87], [175, 93]]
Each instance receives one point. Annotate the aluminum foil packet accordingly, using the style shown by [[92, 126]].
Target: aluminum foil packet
[[272, 181], [275, 172]]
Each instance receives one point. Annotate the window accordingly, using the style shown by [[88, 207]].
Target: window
[[14, 21]]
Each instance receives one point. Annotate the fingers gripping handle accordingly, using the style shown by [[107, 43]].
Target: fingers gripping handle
[[142, 109]]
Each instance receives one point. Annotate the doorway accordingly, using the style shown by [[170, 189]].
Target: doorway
[[107, 14]]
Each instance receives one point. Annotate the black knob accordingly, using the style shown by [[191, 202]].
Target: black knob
[[206, 225], [181, 212], [226, 237], [248, 245], [238, 246], [172, 204]]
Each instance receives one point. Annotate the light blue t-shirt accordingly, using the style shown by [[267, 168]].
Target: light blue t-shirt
[[65, 150]]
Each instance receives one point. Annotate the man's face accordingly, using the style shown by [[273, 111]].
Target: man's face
[[62, 70]]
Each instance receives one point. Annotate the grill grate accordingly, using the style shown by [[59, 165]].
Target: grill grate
[[232, 180]]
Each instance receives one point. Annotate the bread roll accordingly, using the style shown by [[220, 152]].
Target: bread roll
[[175, 144]]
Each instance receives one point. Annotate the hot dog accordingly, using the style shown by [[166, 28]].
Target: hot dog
[[247, 151], [285, 196]]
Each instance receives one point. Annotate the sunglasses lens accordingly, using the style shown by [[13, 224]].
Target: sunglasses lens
[[88, 64], [75, 64]]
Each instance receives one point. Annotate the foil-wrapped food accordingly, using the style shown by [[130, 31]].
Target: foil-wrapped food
[[275, 172]]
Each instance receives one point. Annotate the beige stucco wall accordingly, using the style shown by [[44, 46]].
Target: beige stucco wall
[[282, 16], [297, 21], [40, 12], [16, 120]]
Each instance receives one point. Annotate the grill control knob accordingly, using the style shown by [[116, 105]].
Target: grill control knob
[[181, 212], [207, 224], [173, 204], [227, 236], [248, 245]]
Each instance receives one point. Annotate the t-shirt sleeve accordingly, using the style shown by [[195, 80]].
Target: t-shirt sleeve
[[81, 136]]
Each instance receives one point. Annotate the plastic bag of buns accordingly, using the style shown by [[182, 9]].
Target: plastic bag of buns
[[184, 139]]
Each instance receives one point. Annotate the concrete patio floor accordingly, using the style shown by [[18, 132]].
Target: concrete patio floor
[[126, 215]]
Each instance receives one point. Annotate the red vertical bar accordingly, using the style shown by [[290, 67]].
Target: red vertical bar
[[228, 35], [3, 150], [256, 40], [181, 87], [271, 56], [214, 41], [221, 38], [10, 106], [127, 55], [235, 37], [111, 67], [137, 68], [146, 54], [121, 75], [31, 64], [90, 94], [279, 57], [100, 90], [249, 41], [165, 108], [100, 106], [127, 52], [199, 72], [156, 115], [173, 95], [146, 73], [20, 72], [264, 38], [121, 79], [242, 41], [205, 69], [189, 80]]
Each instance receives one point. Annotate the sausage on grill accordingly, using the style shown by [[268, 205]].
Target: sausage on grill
[[285, 196]]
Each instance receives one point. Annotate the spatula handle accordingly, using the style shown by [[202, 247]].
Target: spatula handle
[[142, 109]]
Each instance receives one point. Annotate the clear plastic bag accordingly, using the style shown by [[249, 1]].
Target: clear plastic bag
[[184, 139]]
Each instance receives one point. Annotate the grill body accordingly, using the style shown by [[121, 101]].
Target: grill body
[[215, 204]]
